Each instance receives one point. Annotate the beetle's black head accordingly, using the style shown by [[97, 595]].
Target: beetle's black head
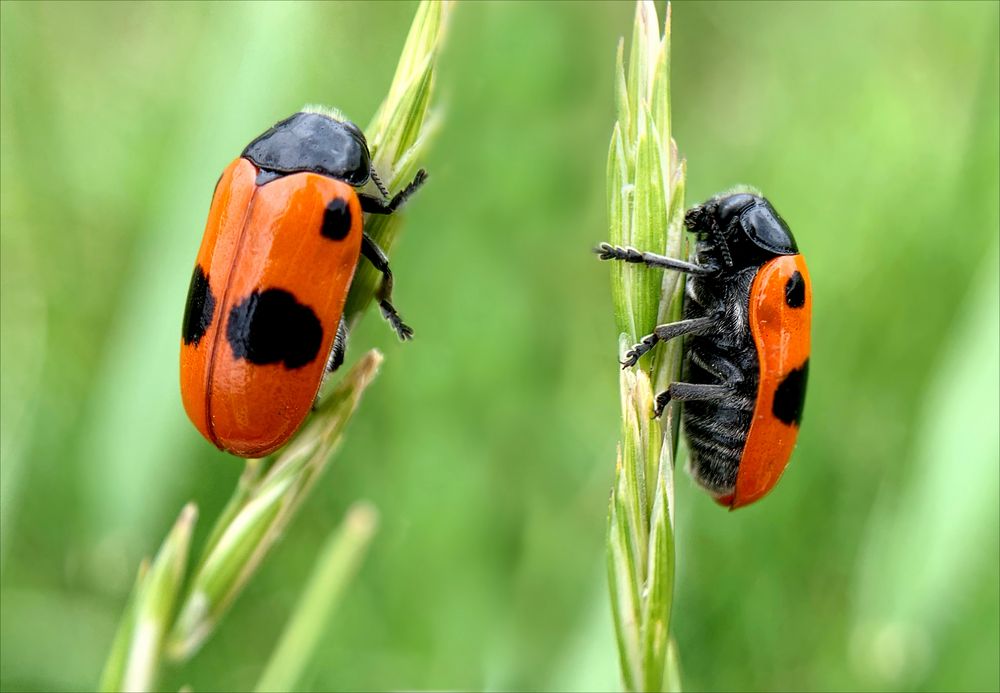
[[317, 142], [743, 229]]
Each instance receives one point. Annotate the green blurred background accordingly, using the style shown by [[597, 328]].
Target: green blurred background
[[488, 443]]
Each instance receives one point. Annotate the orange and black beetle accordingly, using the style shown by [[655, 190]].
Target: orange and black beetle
[[264, 317], [747, 314]]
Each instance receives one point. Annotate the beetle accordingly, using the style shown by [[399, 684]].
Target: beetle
[[264, 322], [747, 315]]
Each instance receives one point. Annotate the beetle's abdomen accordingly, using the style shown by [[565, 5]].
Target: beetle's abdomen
[[717, 430]]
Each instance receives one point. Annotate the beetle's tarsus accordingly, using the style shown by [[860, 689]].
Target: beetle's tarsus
[[662, 400], [404, 331]]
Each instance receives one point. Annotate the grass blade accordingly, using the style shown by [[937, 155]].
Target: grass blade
[[338, 561], [271, 502], [135, 654]]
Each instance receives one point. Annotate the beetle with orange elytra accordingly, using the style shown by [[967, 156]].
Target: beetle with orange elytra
[[264, 317]]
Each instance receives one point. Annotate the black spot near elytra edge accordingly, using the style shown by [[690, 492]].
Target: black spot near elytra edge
[[199, 309], [795, 290], [336, 220], [272, 327], [790, 396]]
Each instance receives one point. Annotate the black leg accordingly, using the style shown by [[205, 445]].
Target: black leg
[[606, 251], [373, 205], [339, 347], [378, 259], [662, 333], [688, 392], [722, 369], [336, 359]]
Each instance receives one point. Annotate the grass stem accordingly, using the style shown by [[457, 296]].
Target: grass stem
[[645, 210], [338, 561]]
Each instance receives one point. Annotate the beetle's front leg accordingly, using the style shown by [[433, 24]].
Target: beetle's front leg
[[606, 251], [374, 205]]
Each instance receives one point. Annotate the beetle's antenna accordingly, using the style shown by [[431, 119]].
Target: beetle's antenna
[[378, 184], [723, 246]]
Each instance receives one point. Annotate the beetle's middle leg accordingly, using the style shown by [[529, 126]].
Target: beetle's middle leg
[[339, 347], [665, 332], [377, 257], [336, 359]]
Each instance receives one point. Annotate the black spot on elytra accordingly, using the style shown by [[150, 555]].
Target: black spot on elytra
[[790, 396], [795, 291], [199, 309], [272, 327], [336, 220]]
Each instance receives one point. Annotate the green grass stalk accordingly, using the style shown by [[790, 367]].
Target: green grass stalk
[[399, 136], [645, 210], [338, 561], [135, 655]]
